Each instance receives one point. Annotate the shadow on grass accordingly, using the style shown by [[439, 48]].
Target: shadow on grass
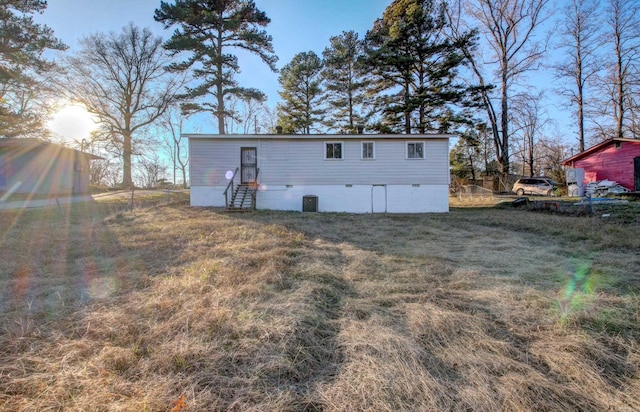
[[519, 275], [55, 259], [297, 311]]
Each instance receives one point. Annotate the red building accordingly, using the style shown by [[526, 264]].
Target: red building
[[617, 160]]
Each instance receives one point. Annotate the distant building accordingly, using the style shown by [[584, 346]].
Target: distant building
[[615, 159], [37, 167], [355, 173]]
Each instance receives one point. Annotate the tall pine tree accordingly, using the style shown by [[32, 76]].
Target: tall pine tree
[[301, 94], [345, 82], [210, 30], [415, 67], [22, 65]]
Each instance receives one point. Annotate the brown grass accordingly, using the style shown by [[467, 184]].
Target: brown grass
[[480, 309]]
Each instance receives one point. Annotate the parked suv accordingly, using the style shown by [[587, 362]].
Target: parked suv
[[534, 186]]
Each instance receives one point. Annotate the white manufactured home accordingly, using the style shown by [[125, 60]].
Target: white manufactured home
[[355, 173]]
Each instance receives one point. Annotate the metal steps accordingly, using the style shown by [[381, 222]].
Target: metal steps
[[243, 199]]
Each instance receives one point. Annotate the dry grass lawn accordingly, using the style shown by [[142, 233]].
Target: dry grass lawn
[[188, 309]]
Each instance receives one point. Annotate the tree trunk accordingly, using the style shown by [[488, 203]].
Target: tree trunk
[[184, 177], [407, 112], [580, 119], [473, 169], [620, 109], [580, 97], [220, 110], [127, 181], [219, 86], [504, 118], [352, 125], [531, 161]]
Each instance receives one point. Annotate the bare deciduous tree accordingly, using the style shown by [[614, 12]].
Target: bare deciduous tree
[[151, 171], [581, 37], [509, 45], [528, 121], [247, 116], [173, 121], [551, 153], [104, 172], [121, 78], [623, 75]]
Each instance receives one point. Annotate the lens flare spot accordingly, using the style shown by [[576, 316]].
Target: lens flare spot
[[578, 291], [229, 175], [22, 281], [102, 287]]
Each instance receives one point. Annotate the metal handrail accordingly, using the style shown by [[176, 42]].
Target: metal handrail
[[230, 185], [253, 195]]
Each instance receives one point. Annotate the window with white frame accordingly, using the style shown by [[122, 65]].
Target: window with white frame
[[368, 150], [333, 150], [415, 150]]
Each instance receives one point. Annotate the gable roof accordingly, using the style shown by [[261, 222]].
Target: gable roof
[[29, 143], [597, 148]]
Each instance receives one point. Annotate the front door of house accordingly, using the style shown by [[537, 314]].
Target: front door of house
[[636, 174], [248, 164]]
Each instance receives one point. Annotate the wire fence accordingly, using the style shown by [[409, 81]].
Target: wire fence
[[472, 192]]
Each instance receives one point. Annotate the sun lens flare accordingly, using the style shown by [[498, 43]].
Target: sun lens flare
[[73, 122]]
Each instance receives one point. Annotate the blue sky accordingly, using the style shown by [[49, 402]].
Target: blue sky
[[296, 26]]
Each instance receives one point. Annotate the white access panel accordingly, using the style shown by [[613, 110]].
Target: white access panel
[[378, 199]]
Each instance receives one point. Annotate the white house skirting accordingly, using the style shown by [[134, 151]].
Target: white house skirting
[[339, 198]]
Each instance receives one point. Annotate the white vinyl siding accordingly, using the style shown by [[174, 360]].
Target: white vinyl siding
[[304, 166], [209, 161], [277, 150], [299, 161]]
